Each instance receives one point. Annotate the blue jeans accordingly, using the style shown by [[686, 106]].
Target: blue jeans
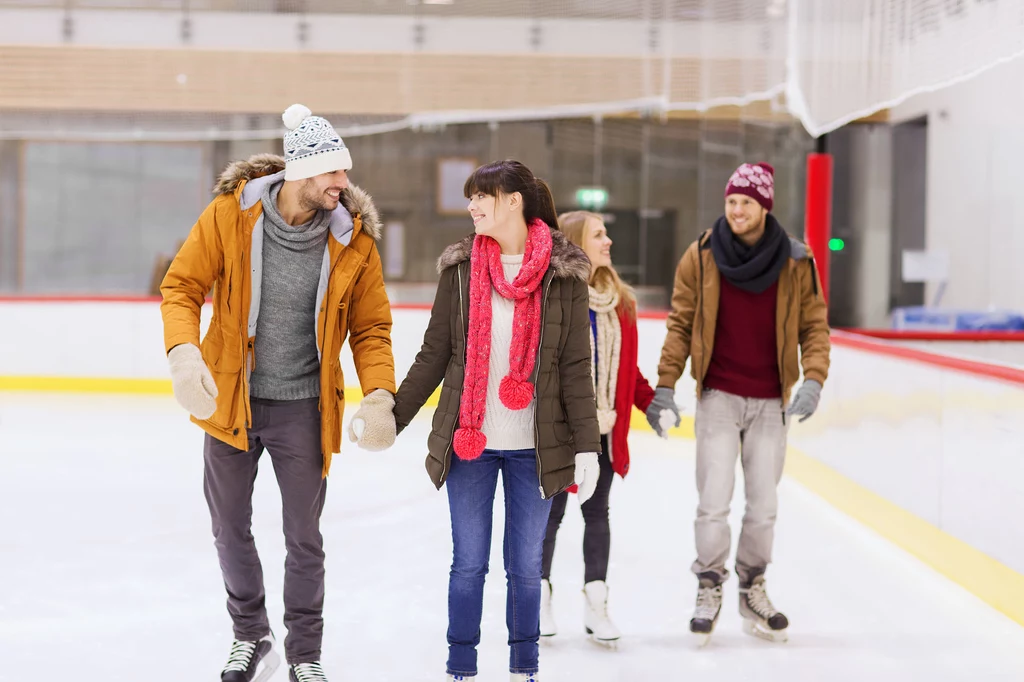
[[471, 485]]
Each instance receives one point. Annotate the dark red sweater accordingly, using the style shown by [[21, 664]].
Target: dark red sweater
[[744, 361]]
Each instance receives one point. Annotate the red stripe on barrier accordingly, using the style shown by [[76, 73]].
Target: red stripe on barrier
[[912, 335], [147, 299], [975, 367], [80, 299]]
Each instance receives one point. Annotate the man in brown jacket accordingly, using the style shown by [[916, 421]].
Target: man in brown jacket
[[290, 249], [746, 300]]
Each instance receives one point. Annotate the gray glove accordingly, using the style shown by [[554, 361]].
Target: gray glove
[[664, 399], [806, 400]]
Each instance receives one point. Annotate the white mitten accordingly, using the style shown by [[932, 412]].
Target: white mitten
[[194, 388], [373, 424], [587, 471]]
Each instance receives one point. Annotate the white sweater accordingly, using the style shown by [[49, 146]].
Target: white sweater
[[505, 429]]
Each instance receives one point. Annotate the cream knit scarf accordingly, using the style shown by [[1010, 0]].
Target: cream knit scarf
[[609, 346]]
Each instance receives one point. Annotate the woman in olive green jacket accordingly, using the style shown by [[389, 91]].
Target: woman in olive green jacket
[[509, 336]]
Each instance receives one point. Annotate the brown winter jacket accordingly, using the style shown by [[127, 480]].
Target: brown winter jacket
[[801, 318], [566, 411], [224, 250]]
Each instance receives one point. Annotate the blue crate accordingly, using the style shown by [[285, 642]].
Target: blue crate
[[921, 318]]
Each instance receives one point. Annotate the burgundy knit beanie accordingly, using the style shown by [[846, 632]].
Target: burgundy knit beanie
[[756, 181]]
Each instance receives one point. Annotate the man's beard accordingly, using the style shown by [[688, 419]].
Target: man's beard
[[311, 201]]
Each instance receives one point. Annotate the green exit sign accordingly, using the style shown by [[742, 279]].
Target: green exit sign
[[592, 198]]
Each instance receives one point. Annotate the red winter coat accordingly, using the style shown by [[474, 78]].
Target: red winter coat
[[631, 389]]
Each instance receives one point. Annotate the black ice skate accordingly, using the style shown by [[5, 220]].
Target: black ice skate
[[251, 661], [709, 605], [760, 618], [306, 672]]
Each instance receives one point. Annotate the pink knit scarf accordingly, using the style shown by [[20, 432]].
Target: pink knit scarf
[[515, 390]]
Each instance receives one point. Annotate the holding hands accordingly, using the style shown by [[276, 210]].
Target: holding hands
[[373, 425], [663, 413]]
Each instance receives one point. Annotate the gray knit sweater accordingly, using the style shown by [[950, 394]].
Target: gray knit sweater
[[287, 366]]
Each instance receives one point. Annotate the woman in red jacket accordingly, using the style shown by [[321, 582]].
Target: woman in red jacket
[[619, 386]]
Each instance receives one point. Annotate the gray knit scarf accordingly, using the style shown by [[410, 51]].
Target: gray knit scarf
[[297, 237]]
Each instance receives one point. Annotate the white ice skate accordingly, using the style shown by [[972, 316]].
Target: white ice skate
[[595, 616], [251, 661], [523, 677], [461, 678], [705, 614], [760, 618], [547, 617]]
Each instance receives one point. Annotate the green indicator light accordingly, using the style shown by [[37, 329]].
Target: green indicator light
[[835, 244]]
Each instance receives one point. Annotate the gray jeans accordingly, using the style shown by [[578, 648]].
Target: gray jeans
[[726, 426], [290, 431]]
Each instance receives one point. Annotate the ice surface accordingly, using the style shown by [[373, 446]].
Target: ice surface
[[108, 570]]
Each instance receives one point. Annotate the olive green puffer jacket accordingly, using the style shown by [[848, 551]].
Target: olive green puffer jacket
[[566, 412]]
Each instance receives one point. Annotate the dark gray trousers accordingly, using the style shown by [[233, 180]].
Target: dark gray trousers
[[597, 533], [290, 431]]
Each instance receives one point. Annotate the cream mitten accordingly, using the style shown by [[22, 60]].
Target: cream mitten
[[373, 424], [194, 388]]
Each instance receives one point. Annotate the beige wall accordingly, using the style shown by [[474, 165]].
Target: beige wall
[[223, 81]]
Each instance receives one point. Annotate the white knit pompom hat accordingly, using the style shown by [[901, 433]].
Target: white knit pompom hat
[[311, 145]]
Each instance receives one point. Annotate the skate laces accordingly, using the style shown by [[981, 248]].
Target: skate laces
[[709, 600], [757, 600], [309, 672], [240, 656]]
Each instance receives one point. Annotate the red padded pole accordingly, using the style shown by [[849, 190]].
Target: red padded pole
[[818, 213]]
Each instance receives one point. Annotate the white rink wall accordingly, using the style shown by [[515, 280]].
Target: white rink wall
[[944, 444]]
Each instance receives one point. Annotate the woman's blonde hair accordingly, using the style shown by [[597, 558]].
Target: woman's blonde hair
[[574, 226]]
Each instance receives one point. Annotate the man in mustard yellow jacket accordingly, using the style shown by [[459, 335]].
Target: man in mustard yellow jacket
[[289, 248]]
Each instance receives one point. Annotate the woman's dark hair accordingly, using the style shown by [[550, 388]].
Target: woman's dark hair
[[510, 176]]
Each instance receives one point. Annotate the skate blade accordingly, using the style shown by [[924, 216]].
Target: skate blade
[[702, 638], [757, 630], [268, 666], [606, 643], [610, 644]]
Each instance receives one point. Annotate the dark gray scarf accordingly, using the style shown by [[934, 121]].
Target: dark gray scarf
[[294, 238], [751, 268]]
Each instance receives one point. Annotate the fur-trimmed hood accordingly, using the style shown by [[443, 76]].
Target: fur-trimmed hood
[[355, 200], [567, 259]]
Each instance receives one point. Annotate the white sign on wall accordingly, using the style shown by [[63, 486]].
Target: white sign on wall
[[452, 173], [925, 266]]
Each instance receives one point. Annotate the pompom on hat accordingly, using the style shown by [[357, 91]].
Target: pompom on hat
[[311, 145], [756, 181]]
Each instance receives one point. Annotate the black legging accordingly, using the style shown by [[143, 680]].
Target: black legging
[[596, 534]]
